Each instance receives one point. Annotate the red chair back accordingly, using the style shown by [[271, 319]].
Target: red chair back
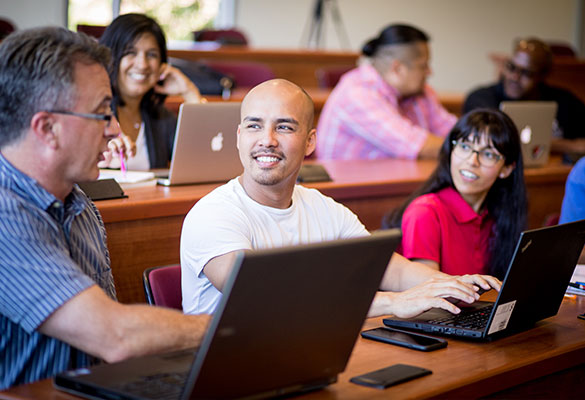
[[223, 36], [327, 77], [92, 30], [162, 286]]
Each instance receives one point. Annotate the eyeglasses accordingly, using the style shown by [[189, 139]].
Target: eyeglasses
[[101, 117], [513, 69], [486, 156]]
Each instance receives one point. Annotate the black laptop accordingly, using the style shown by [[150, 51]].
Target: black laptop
[[287, 323], [533, 288]]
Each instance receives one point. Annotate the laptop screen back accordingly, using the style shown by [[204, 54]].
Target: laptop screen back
[[290, 317], [534, 120], [287, 323], [205, 144]]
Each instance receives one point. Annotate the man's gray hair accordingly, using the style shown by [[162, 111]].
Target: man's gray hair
[[37, 72]]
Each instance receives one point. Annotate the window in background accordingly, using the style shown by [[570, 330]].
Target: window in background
[[179, 18], [89, 12]]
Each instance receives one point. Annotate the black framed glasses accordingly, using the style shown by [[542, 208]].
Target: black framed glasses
[[102, 117], [487, 157], [513, 69]]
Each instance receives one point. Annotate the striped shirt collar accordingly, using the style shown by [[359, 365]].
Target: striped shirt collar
[[28, 188]]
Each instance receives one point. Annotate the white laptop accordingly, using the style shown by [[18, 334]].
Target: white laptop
[[534, 120], [205, 144]]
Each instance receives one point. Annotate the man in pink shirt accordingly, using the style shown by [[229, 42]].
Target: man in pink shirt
[[384, 108]]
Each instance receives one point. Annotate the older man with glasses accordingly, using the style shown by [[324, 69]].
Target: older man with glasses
[[523, 78], [58, 306]]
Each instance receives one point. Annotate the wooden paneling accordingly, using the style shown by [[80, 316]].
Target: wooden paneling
[[569, 73], [297, 66]]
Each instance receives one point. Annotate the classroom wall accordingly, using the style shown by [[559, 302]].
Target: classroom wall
[[463, 32], [31, 13]]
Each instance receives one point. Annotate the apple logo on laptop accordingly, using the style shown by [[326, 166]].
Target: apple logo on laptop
[[537, 152], [217, 142], [526, 134]]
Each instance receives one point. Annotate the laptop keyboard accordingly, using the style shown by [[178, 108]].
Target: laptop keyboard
[[474, 319], [158, 386]]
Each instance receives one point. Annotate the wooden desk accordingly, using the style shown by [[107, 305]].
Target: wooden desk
[[298, 66], [319, 97], [144, 229], [453, 102], [462, 370]]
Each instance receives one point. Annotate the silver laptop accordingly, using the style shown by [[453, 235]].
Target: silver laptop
[[205, 144], [534, 120], [287, 323]]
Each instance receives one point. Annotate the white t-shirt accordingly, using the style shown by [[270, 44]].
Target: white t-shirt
[[227, 220]]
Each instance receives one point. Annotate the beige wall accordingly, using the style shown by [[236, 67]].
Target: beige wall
[[463, 31], [32, 13]]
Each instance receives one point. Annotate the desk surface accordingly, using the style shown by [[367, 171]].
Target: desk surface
[[298, 66], [462, 370], [354, 179], [453, 102], [144, 229]]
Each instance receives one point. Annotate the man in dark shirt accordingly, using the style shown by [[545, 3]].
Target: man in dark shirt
[[523, 78]]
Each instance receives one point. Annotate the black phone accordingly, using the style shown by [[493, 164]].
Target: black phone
[[411, 340], [392, 375]]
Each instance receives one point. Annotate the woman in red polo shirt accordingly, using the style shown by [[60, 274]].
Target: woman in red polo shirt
[[467, 217]]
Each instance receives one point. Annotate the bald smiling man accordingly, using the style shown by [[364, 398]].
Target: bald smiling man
[[264, 208]]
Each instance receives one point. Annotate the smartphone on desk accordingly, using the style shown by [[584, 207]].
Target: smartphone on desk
[[392, 375], [411, 340]]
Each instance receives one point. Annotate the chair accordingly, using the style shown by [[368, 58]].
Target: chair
[[551, 219], [223, 36], [327, 77], [244, 74], [92, 30], [162, 286], [562, 49], [6, 28]]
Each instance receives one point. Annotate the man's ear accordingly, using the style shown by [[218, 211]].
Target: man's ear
[[311, 142], [238, 137], [393, 74], [506, 171], [45, 128], [396, 66]]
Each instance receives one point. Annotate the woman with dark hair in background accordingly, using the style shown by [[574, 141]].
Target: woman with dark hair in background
[[141, 79], [467, 217]]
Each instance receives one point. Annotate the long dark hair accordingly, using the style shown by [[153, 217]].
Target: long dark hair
[[506, 200], [119, 36], [394, 34]]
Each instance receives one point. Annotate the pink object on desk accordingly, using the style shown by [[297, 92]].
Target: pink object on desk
[[122, 164]]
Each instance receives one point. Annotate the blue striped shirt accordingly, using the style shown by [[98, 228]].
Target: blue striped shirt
[[49, 252]]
